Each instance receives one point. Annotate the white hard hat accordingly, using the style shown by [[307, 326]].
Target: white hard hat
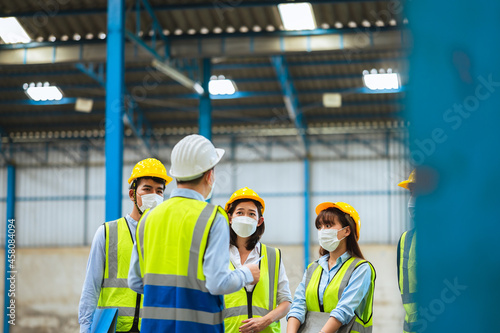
[[192, 156]]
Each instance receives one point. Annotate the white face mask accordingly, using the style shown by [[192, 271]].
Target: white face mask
[[411, 207], [244, 226], [209, 196], [328, 239], [150, 201]]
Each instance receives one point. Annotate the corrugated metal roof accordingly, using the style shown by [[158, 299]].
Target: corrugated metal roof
[[167, 104]]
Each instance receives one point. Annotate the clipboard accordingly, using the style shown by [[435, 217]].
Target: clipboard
[[316, 320], [104, 321]]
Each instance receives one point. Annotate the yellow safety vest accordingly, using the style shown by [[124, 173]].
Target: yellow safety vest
[[242, 304], [171, 242], [362, 321], [115, 292], [407, 278]]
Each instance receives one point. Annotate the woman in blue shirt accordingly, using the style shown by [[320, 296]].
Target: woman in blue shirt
[[339, 286]]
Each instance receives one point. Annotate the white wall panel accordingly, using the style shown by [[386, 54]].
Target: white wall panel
[[284, 225], [271, 177], [95, 216], [49, 223]]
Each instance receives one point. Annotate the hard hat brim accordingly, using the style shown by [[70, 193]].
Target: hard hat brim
[[404, 184], [261, 201], [157, 175], [325, 205]]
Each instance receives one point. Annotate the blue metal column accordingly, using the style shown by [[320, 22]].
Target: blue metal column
[[454, 98], [115, 69], [10, 233], [307, 202], [205, 118]]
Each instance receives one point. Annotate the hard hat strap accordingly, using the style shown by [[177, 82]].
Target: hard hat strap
[[134, 188]]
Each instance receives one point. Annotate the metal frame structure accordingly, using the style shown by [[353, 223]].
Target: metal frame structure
[[163, 53]]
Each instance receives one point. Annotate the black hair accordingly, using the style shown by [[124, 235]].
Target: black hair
[[193, 182], [328, 216], [253, 239]]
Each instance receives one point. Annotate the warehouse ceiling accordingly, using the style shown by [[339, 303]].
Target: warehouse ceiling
[[242, 39]]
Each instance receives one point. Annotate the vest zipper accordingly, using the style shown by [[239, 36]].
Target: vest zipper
[[250, 293], [249, 303], [135, 324]]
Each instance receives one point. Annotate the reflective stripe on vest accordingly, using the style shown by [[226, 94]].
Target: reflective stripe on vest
[[262, 297], [171, 241], [362, 321], [115, 292], [407, 278]]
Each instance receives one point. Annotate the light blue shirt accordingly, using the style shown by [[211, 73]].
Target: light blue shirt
[[220, 279], [353, 295], [95, 275]]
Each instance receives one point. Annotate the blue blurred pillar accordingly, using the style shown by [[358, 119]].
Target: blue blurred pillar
[[10, 233], [205, 117], [307, 202], [454, 103], [115, 69]]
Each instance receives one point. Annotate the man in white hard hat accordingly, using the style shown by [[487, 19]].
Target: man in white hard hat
[[180, 261]]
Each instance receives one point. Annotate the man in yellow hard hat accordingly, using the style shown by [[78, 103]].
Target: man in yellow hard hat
[[105, 283], [407, 263], [181, 258]]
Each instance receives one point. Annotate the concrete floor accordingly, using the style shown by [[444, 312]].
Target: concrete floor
[[49, 282]]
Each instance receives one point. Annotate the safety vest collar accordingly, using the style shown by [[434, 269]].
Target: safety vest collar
[[198, 234]]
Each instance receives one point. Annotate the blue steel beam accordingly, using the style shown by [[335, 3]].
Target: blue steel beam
[[219, 6], [219, 121], [15, 114], [307, 204], [205, 115], [291, 101], [141, 128], [236, 66], [236, 95], [10, 271], [369, 32], [115, 70], [290, 97], [157, 26], [161, 63]]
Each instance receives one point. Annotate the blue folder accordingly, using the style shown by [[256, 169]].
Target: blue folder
[[104, 321]]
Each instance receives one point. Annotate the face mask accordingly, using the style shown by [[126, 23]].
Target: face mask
[[328, 239], [411, 207], [150, 201], [244, 226], [209, 196]]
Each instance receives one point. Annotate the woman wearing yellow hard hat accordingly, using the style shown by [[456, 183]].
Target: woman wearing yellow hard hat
[[337, 289], [254, 308]]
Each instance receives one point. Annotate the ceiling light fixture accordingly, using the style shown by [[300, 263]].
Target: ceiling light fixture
[[221, 86], [297, 16], [42, 91], [11, 31], [381, 80]]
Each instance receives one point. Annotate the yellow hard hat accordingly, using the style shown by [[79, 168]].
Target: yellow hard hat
[[245, 193], [150, 167], [346, 208], [411, 180]]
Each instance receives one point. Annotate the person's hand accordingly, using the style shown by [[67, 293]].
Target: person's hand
[[254, 325], [254, 269]]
